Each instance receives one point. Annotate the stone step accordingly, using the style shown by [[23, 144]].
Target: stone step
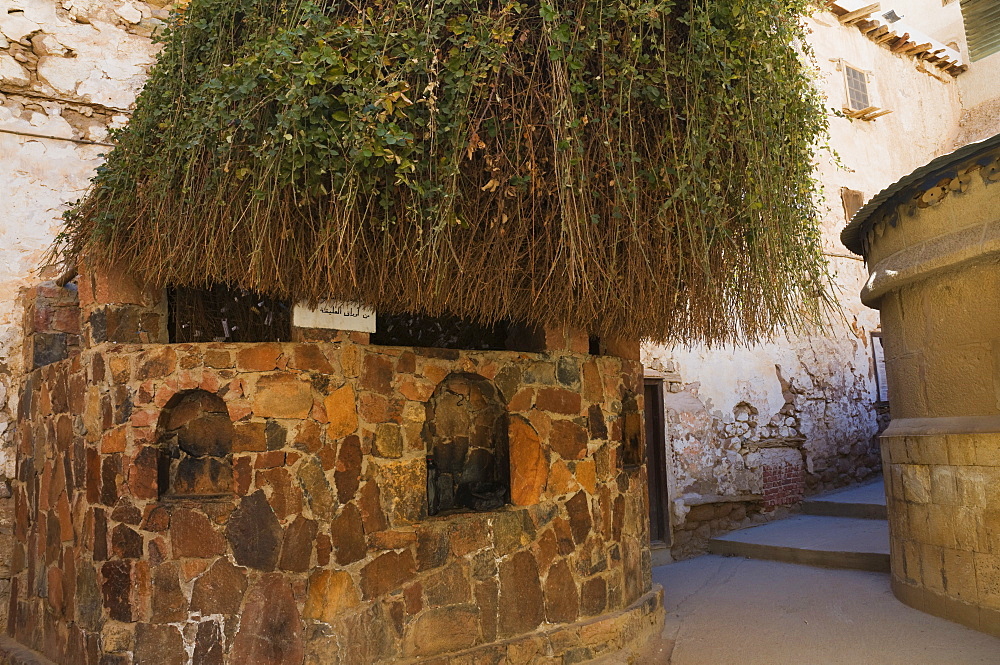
[[865, 501], [814, 540]]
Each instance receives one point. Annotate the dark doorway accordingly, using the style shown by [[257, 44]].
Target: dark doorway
[[656, 464]]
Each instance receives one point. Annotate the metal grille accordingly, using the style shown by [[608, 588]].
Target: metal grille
[[857, 88], [982, 27], [224, 314]]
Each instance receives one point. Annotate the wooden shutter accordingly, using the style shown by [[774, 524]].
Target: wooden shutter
[[852, 200], [982, 27]]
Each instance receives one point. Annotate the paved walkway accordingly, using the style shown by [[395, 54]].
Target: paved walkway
[[735, 611], [845, 529]]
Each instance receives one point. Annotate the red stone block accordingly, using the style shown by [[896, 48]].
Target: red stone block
[[143, 474], [269, 459], [308, 437], [286, 499], [66, 319], [144, 417], [522, 400], [387, 573], [55, 589], [41, 317], [192, 535], [529, 468], [242, 474], [116, 589], [156, 519], [377, 374], [218, 358], [555, 338], [415, 389], [578, 341], [373, 408], [114, 286], [412, 600], [282, 396], [347, 534], [569, 439], [113, 441], [521, 600], [220, 590], [270, 630], [578, 509], [258, 358], [407, 363], [324, 548], [558, 400], [370, 504], [310, 358]]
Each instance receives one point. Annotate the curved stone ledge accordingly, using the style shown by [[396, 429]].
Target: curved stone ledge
[[943, 425], [967, 614], [625, 631], [971, 245]]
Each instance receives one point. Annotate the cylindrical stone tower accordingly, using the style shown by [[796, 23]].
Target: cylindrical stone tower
[[932, 244]]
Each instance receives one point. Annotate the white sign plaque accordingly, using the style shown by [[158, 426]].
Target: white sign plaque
[[335, 315]]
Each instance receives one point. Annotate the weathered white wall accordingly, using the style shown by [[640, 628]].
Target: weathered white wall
[[980, 91], [939, 21], [732, 411], [68, 70], [978, 87]]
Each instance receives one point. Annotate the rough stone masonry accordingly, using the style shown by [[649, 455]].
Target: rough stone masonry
[[267, 503]]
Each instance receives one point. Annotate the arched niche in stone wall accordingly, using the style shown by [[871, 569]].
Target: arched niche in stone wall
[[195, 447], [468, 458]]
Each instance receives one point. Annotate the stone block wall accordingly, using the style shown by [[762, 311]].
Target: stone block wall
[[51, 324], [321, 550], [944, 523]]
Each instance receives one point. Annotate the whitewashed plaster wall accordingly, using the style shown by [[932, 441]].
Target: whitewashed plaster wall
[[69, 69], [979, 87], [941, 21], [980, 92], [809, 395]]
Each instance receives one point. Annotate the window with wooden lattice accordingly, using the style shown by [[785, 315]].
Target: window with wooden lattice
[[859, 98], [857, 88]]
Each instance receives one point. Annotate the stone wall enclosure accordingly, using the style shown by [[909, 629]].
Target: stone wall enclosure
[[268, 503]]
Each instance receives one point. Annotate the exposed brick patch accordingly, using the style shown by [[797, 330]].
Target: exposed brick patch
[[784, 484]]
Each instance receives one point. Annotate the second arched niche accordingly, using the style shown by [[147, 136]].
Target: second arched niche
[[196, 443], [468, 459]]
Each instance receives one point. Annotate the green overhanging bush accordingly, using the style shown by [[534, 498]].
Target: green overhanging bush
[[634, 169]]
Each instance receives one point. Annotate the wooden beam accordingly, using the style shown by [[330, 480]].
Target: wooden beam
[[896, 45], [859, 14], [877, 115], [886, 37], [857, 114], [917, 48], [869, 27], [878, 33]]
